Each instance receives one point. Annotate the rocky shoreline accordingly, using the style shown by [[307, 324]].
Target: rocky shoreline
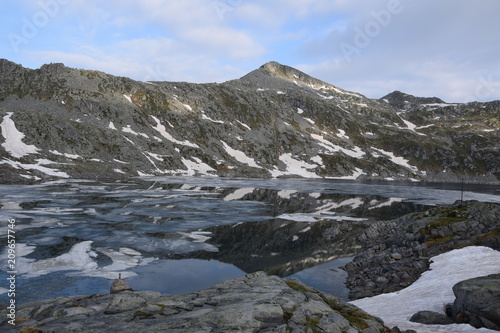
[[253, 303], [395, 253]]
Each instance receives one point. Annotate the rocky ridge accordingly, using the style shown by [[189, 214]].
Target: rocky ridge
[[397, 252], [59, 122], [253, 303]]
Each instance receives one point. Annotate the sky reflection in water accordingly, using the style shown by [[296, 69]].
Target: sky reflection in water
[[146, 216]]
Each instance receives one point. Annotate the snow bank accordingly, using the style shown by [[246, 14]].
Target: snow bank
[[240, 156], [295, 167], [205, 117], [396, 159], [163, 131], [357, 152], [196, 166], [129, 129], [14, 139], [38, 167], [433, 290]]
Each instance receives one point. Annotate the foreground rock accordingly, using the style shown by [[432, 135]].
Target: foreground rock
[[431, 318], [397, 252], [253, 303], [478, 302]]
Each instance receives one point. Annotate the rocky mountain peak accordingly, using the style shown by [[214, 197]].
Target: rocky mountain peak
[[274, 68], [291, 74]]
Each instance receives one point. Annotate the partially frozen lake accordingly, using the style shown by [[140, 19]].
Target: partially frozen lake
[[75, 236]]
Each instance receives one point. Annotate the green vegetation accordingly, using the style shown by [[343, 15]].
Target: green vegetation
[[354, 315], [439, 240], [444, 222], [494, 234], [312, 323], [296, 285]]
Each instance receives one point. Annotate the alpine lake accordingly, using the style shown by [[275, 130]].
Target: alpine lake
[[178, 235]]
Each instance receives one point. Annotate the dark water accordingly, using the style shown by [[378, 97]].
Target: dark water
[[74, 237]]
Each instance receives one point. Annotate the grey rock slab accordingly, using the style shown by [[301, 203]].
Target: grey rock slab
[[253, 303], [478, 301], [125, 301]]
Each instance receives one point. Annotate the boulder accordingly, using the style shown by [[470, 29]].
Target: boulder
[[478, 302], [431, 318]]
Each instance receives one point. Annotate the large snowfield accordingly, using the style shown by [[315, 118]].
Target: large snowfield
[[433, 290]]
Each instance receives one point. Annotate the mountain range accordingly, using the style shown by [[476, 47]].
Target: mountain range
[[58, 122]]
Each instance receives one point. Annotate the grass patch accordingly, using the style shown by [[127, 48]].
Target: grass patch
[[445, 221], [441, 222], [354, 315], [493, 234], [439, 240], [312, 323], [296, 285]]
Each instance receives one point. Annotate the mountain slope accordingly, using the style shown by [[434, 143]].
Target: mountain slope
[[59, 122]]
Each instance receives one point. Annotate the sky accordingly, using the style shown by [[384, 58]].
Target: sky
[[448, 48]]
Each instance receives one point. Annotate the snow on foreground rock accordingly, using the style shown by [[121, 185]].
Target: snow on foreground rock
[[433, 290]]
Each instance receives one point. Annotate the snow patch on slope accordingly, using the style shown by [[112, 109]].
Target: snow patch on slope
[[37, 167], [240, 156], [331, 148], [163, 131], [205, 117], [14, 139], [195, 166], [397, 159], [295, 167]]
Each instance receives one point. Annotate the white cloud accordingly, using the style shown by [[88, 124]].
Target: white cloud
[[220, 41], [153, 40], [442, 48]]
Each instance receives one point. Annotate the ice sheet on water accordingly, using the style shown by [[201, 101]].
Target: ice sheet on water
[[82, 260], [197, 236], [297, 217]]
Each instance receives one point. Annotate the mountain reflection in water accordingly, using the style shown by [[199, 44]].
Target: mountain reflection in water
[[181, 234]]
